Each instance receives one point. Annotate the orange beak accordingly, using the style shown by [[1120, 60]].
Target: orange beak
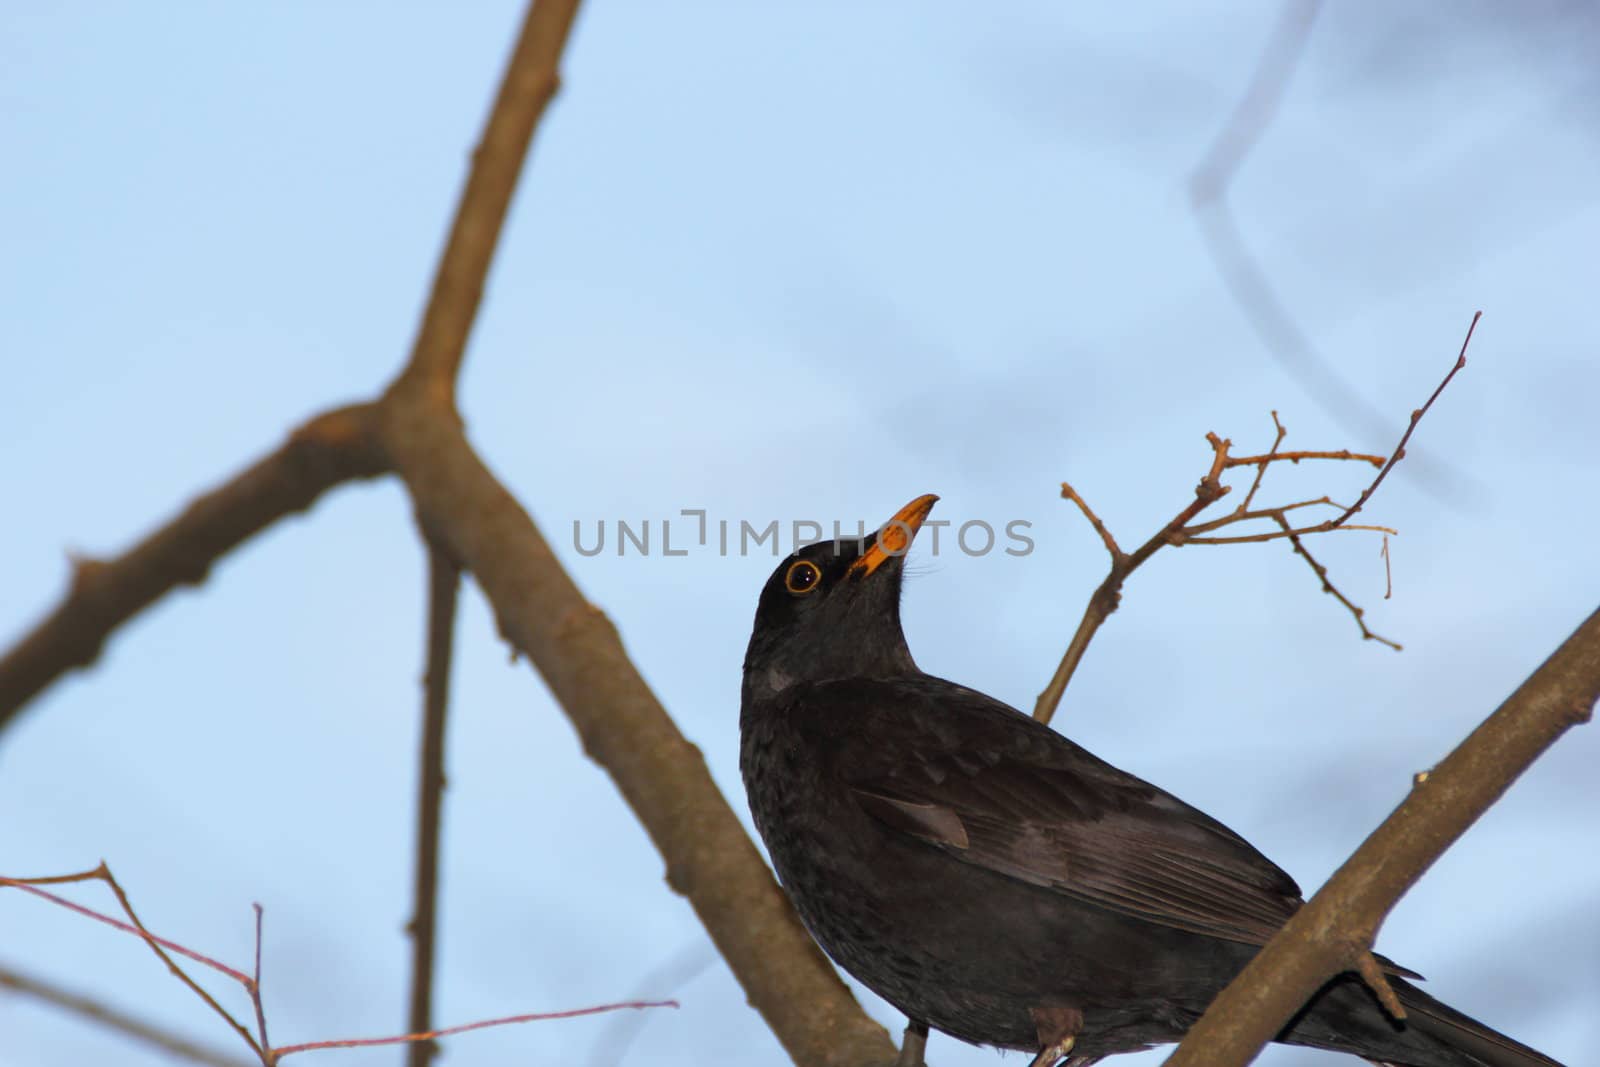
[[894, 539]]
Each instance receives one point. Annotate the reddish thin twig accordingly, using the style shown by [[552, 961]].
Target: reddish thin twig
[[31, 885], [158, 945], [543, 1016], [268, 1055]]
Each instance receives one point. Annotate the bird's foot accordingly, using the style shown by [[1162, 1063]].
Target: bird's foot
[[914, 1045], [1057, 1028]]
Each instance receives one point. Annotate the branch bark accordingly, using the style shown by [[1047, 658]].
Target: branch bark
[[531, 79], [1337, 926], [710, 858], [623, 727], [333, 448], [444, 585]]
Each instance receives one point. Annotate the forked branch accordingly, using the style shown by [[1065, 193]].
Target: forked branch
[[260, 1047], [1183, 530]]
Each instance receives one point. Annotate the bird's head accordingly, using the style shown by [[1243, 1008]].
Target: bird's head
[[832, 610]]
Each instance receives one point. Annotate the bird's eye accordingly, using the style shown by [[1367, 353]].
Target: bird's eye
[[803, 577]]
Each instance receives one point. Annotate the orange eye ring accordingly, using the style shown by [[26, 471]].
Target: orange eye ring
[[803, 576]]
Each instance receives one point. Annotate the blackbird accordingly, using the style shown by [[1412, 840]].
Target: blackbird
[[993, 880]]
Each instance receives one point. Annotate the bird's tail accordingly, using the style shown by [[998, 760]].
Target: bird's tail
[[1345, 1016], [1475, 1042]]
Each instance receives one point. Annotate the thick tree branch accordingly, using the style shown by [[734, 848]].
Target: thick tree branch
[[709, 856], [1338, 925], [710, 859], [332, 448]]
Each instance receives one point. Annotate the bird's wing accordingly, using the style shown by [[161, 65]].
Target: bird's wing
[[989, 786]]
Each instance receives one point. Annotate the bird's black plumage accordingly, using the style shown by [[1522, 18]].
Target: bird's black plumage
[[991, 878]]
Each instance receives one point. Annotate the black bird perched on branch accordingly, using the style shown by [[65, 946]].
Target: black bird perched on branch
[[995, 881]]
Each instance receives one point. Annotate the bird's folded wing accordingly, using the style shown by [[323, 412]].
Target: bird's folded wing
[[956, 769], [1141, 859]]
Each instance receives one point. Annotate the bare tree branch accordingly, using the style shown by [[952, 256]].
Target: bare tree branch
[[333, 448], [710, 859], [1337, 927], [444, 583], [531, 78], [709, 856]]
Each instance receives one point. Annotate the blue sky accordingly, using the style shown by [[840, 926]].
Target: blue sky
[[779, 264]]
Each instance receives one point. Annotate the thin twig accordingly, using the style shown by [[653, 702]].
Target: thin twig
[[1287, 531], [1328, 587], [116, 1019], [1107, 596], [1261, 468], [1240, 515], [444, 582], [1399, 452], [159, 945], [449, 1031], [1110, 542], [1388, 578], [256, 997], [1296, 457], [251, 983]]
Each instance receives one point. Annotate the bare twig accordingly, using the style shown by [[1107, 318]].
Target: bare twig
[[1183, 531], [444, 582], [1328, 587], [251, 983], [159, 945], [1416, 417], [257, 1001], [116, 1020], [1108, 594], [1388, 578], [1335, 929], [450, 1031], [1262, 465], [1296, 457], [1286, 531]]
